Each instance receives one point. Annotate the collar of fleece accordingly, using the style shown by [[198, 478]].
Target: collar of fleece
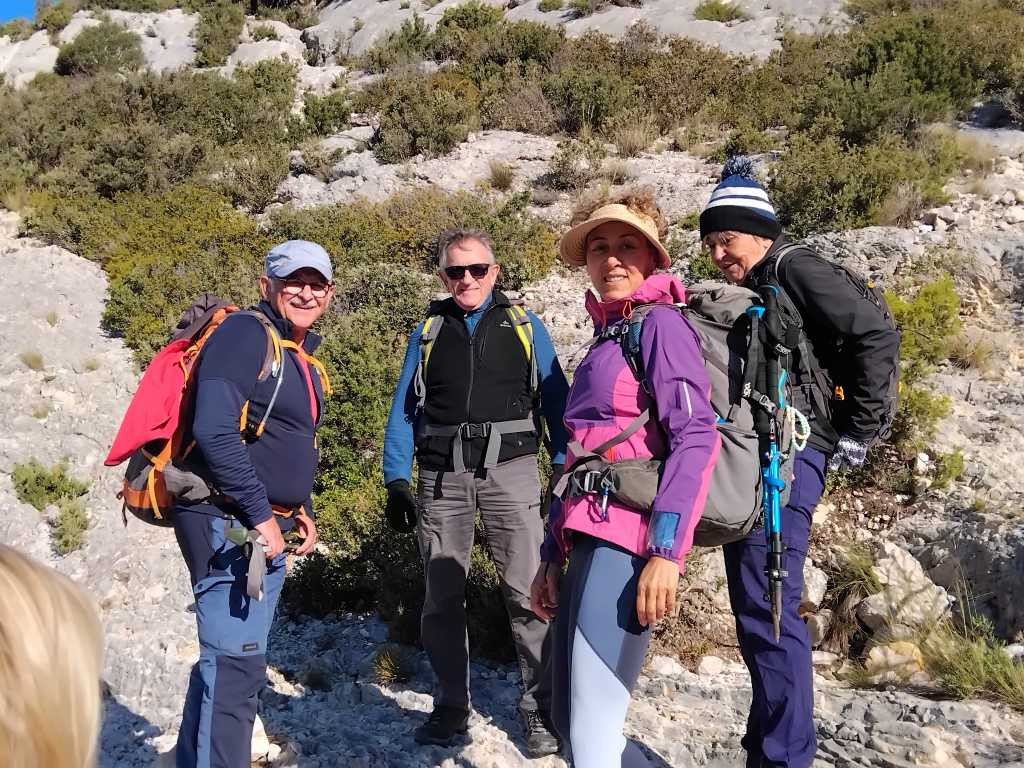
[[661, 288]]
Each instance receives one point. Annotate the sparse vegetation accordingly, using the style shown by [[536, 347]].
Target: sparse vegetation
[[848, 584], [501, 175], [69, 526], [91, 364], [40, 411], [394, 664], [263, 32], [547, 6], [52, 318], [575, 163], [718, 10], [32, 360], [617, 170], [948, 468], [36, 485]]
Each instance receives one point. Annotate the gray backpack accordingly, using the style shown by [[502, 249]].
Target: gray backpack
[[729, 342]]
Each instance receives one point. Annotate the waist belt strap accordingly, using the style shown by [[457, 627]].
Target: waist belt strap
[[581, 456], [492, 431]]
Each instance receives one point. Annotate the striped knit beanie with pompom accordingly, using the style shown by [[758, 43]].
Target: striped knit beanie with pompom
[[739, 204]]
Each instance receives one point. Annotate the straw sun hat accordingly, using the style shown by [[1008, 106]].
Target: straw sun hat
[[573, 245]]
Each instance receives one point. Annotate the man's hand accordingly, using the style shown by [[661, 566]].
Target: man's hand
[[544, 591], [273, 541], [656, 591], [400, 509], [848, 453], [307, 529]]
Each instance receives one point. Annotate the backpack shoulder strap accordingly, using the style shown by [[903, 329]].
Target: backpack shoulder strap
[[272, 368], [524, 331], [629, 338], [431, 329]]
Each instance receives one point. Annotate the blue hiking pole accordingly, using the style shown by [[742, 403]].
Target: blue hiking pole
[[770, 398]]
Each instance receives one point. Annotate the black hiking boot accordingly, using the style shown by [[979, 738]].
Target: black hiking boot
[[443, 727], [540, 739]]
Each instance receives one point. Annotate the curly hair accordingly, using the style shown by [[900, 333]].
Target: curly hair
[[639, 201]]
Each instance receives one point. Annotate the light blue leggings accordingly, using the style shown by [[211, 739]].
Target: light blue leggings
[[598, 647]]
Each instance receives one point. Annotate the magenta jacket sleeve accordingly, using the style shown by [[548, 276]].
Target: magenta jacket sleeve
[[676, 379]]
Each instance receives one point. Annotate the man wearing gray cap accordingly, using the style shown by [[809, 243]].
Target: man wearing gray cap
[[262, 491]]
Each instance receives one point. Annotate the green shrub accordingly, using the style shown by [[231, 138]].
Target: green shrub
[[70, 525], [929, 322], [106, 47], [17, 29], [327, 114], [822, 184], [54, 17], [515, 101], [217, 33], [421, 114], [631, 132], [702, 267], [138, 6], [263, 32], [251, 175], [546, 6], [36, 485], [410, 43], [948, 467], [575, 163], [587, 98], [394, 664], [718, 10], [919, 414]]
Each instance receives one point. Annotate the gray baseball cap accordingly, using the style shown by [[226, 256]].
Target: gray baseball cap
[[293, 255]]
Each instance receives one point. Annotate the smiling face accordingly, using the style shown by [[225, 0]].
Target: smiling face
[[468, 291], [619, 259], [300, 298], [736, 253]]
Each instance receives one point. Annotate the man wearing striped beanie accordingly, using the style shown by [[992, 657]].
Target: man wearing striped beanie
[[843, 374]]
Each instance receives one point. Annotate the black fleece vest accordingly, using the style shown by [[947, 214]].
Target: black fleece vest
[[474, 380]]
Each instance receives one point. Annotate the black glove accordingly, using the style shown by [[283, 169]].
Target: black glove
[[400, 509]]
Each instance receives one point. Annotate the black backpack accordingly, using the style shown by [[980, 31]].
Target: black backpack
[[828, 385]]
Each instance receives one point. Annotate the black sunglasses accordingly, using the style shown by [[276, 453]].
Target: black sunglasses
[[476, 270]]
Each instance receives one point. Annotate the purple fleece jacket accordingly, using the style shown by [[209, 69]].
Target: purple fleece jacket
[[605, 397]]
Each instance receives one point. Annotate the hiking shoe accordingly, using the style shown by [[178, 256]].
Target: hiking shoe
[[540, 741], [443, 726]]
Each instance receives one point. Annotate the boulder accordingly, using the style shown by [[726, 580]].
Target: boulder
[[895, 661], [815, 585], [22, 61], [908, 602]]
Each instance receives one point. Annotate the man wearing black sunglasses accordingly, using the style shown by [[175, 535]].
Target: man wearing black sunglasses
[[479, 383]]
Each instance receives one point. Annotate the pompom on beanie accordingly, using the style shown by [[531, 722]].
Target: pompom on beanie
[[739, 204]]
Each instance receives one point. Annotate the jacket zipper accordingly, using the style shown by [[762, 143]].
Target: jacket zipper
[[472, 356]]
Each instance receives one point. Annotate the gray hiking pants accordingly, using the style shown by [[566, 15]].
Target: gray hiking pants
[[508, 498]]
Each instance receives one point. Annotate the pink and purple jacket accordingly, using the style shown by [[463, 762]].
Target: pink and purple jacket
[[605, 397]]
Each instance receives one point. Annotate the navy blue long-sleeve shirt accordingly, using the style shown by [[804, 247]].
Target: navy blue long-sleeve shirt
[[279, 467], [399, 434]]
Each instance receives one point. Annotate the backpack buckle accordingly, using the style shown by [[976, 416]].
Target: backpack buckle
[[584, 481], [474, 431]]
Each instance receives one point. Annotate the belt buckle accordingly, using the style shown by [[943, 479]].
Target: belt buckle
[[473, 431], [583, 482]]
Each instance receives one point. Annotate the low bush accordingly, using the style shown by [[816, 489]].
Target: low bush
[[324, 115], [631, 132], [263, 32], [53, 17], [547, 6], [516, 102], [919, 414], [17, 30], [929, 322], [718, 10], [106, 47], [217, 32], [575, 163], [251, 174], [69, 527], [410, 43], [501, 176], [421, 114], [32, 360], [948, 467], [39, 486]]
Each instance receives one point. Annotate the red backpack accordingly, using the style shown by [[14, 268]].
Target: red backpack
[[155, 433]]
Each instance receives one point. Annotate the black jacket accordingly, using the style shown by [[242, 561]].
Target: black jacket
[[848, 338], [476, 378]]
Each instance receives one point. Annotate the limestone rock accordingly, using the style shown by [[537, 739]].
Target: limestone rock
[[815, 584], [909, 601], [898, 660], [22, 61], [709, 666]]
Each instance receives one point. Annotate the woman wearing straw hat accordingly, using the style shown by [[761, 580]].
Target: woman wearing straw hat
[[624, 565]]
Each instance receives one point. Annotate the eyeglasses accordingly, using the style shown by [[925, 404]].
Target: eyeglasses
[[294, 287], [476, 270]]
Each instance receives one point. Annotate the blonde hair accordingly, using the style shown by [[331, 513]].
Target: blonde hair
[[51, 651], [639, 201]]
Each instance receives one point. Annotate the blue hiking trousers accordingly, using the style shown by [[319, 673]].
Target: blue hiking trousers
[[224, 687], [780, 726]]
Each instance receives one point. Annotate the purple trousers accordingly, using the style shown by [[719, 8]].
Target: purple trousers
[[780, 727]]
